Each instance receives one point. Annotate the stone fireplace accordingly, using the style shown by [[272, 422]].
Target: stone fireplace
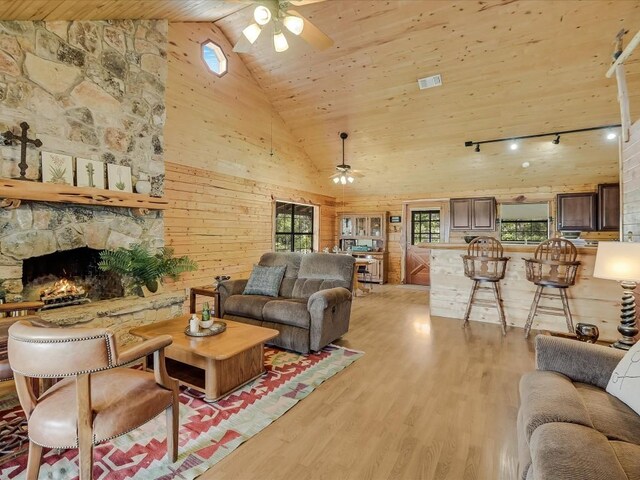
[[95, 90], [69, 277], [42, 242]]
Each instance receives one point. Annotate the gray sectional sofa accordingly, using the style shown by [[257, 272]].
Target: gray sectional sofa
[[569, 427], [313, 306]]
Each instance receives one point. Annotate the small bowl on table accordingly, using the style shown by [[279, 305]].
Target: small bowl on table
[[206, 324]]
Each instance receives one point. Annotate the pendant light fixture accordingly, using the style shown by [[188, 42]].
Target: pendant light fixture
[[343, 173]]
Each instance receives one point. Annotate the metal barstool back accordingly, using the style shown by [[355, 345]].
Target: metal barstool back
[[485, 263], [554, 266]]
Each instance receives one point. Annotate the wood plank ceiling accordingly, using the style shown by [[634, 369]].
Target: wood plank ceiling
[[174, 10], [509, 68]]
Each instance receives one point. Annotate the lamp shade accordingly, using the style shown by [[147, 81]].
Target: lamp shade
[[618, 261]]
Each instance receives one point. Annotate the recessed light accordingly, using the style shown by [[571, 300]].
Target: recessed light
[[525, 164], [513, 146], [611, 136]]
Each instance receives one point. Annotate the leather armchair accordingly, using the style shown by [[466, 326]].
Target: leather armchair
[[84, 409]]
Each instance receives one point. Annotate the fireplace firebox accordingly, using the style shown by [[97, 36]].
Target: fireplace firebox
[[68, 277]]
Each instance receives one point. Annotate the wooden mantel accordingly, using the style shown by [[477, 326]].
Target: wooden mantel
[[13, 192]]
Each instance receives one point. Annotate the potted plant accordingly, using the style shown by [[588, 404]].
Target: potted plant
[[142, 268]]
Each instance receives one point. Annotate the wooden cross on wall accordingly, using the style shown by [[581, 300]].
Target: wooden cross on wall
[[24, 141]]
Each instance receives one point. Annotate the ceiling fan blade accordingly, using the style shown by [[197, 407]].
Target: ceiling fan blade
[[312, 34], [299, 3], [242, 45]]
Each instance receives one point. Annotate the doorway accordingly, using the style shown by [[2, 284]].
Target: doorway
[[423, 226]]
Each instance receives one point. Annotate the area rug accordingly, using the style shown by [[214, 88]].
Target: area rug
[[208, 432]]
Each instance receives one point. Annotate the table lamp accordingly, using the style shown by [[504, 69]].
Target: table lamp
[[621, 261]]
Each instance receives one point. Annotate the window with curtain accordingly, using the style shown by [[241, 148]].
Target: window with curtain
[[425, 226], [294, 227]]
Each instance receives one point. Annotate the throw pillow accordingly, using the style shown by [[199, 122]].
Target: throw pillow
[[265, 280], [624, 383]]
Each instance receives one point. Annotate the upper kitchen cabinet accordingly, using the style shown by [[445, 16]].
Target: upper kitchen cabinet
[[473, 213], [609, 206], [577, 211]]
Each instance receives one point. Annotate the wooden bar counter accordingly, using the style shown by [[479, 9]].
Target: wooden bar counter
[[592, 300]]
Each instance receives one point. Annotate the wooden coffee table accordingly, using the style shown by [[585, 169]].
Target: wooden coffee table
[[213, 365]]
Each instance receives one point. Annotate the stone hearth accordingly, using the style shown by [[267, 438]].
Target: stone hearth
[[120, 315]]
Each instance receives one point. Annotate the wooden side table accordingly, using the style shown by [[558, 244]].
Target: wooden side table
[[205, 291]]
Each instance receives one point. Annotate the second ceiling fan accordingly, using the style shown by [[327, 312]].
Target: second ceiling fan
[[276, 16]]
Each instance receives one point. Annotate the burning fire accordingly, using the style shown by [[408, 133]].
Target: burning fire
[[62, 288]]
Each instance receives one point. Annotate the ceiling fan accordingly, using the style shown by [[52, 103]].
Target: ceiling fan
[[271, 16], [344, 174]]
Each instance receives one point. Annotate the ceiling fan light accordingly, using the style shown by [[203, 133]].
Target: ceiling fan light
[[350, 179], [294, 24], [343, 180], [280, 42], [336, 180], [252, 32], [262, 15]]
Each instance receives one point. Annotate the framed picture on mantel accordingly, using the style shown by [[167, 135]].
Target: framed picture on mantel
[[119, 177], [89, 173], [57, 168]]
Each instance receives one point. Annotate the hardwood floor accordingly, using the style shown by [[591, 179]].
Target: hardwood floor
[[429, 400]]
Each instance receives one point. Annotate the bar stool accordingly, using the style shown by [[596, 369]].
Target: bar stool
[[485, 264], [554, 266]]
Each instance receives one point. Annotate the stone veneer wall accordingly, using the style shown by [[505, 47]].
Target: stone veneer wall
[[92, 89]]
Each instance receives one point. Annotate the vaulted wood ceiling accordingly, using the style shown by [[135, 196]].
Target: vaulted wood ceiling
[[509, 68]]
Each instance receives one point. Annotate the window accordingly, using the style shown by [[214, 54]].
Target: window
[[294, 227], [425, 226], [521, 230], [214, 58], [524, 222]]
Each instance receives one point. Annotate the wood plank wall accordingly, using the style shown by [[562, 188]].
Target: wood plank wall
[[225, 223], [221, 179], [394, 203], [631, 183]]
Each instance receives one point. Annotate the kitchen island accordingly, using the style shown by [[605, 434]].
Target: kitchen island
[[591, 300]]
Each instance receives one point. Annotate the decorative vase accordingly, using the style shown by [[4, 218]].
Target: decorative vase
[[143, 185], [587, 332]]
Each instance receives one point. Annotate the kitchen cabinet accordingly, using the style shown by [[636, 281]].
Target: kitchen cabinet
[[473, 213], [577, 211], [346, 226], [376, 226], [609, 206]]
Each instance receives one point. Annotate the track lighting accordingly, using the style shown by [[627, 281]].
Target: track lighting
[[611, 135]]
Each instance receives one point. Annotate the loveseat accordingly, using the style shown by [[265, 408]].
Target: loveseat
[[312, 308], [569, 427]]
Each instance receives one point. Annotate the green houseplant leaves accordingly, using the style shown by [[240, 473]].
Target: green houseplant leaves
[[143, 267]]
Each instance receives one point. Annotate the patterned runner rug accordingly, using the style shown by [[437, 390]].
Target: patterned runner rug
[[208, 432]]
